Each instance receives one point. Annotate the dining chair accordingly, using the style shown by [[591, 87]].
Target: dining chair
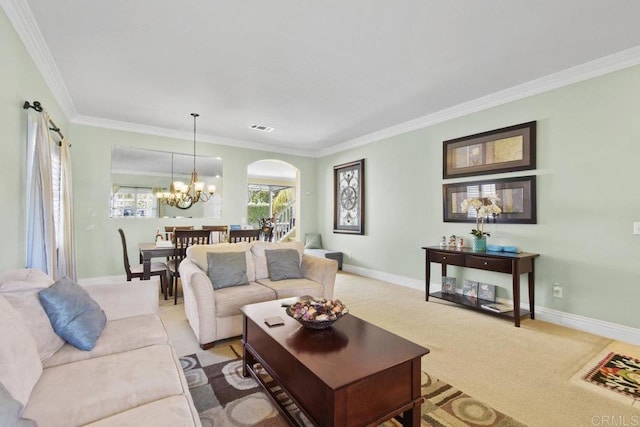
[[236, 236], [137, 271], [222, 230], [170, 229], [184, 239]]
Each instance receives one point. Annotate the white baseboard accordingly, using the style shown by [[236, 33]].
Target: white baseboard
[[385, 277], [594, 326]]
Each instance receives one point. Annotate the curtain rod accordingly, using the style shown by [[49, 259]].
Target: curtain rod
[[38, 107]]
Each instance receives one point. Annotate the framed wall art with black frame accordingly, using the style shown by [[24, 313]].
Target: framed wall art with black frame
[[508, 149], [516, 197], [348, 196]]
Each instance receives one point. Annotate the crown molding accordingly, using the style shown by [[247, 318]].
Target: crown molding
[[601, 66], [171, 133], [24, 23]]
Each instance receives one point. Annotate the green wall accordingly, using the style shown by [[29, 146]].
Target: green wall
[[99, 250], [20, 81], [587, 178]]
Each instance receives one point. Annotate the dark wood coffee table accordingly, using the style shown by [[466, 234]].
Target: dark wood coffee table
[[352, 374]]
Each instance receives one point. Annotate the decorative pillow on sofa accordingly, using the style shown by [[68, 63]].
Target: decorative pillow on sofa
[[226, 269], [283, 264], [11, 409], [74, 315], [313, 241]]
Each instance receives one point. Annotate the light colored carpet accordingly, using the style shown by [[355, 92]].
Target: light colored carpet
[[524, 372]]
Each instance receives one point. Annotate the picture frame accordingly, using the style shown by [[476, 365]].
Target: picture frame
[[448, 285], [507, 149], [348, 198], [517, 199], [486, 292], [470, 289]]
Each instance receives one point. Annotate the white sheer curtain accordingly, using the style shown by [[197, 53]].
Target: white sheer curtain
[[41, 236], [66, 245]]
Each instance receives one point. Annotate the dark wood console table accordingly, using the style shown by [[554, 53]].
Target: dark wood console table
[[502, 262]]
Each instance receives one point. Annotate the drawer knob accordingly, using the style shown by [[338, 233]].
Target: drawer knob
[[444, 257], [486, 263]]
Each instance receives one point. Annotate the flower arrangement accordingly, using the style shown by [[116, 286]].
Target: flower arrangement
[[484, 207]]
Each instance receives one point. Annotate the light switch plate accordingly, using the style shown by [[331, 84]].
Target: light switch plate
[[636, 228]]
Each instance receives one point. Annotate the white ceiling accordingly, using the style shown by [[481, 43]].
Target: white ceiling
[[325, 74]]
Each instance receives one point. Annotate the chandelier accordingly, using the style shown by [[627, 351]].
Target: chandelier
[[184, 196]]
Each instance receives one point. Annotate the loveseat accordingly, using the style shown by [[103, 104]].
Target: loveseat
[[131, 377], [214, 314]]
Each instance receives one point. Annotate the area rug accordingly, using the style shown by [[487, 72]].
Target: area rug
[[223, 397], [618, 373]]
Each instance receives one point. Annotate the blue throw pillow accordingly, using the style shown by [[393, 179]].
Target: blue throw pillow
[[283, 264], [74, 315]]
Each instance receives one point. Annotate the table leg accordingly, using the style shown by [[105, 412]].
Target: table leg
[[427, 276], [516, 293], [146, 268], [532, 281]]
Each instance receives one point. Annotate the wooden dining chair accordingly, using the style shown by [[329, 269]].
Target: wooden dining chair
[[236, 236], [222, 230], [170, 229], [137, 271], [184, 239]]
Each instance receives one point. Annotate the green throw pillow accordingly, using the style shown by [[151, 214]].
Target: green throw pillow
[[313, 241], [227, 269], [283, 264]]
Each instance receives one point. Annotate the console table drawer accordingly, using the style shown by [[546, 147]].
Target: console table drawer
[[487, 263], [447, 258]]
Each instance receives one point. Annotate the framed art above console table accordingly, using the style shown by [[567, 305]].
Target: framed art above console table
[[517, 199], [507, 149]]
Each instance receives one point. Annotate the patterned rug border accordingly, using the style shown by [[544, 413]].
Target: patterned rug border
[[620, 389], [444, 404]]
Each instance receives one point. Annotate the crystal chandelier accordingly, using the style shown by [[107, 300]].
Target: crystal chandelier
[[184, 196]]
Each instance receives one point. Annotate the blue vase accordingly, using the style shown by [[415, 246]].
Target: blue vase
[[479, 244]]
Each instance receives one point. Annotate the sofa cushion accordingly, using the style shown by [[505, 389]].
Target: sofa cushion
[[119, 335], [86, 391], [229, 300], [28, 305], [294, 287], [198, 255], [171, 411], [313, 241], [20, 366], [227, 269], [283, 264], [260, 259], [74, 315], [23, 279], [10, 410]]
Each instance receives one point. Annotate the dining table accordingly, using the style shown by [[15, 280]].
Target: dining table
[[149, 251]]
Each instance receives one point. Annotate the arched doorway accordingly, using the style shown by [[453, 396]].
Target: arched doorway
[[273, 197]]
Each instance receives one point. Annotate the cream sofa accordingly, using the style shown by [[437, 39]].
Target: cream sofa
[[215, 314], [132, 376]]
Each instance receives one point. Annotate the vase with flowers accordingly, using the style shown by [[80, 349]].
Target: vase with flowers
[[484, 207]]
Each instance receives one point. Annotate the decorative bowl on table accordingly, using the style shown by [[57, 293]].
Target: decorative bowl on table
[[316, 313]]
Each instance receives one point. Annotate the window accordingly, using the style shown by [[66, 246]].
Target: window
[[133, 202]]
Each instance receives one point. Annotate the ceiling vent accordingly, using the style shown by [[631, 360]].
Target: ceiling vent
[[262, 128]]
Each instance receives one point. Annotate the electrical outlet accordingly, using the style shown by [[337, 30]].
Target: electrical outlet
[[557, 290], [636, 228]]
